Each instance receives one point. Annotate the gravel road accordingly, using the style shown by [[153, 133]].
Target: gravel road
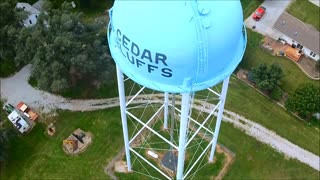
[[16, 88]]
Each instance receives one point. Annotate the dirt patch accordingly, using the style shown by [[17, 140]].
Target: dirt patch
[[109, 169], [273, 46], [120, 166], [77, 142], [309, 67]]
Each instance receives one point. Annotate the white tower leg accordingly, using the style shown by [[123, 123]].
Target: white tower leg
[[185, 109], [165, 115], [219, 117], [122, 100]]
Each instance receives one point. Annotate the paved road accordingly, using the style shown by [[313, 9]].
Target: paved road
[[16, 88], [274, 9]]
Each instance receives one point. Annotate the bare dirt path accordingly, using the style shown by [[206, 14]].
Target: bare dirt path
[[16, 88]]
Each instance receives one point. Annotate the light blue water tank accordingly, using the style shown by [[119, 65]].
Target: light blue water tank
[[177, 46]]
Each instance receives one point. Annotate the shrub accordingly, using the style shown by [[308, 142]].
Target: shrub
[[276, 93]]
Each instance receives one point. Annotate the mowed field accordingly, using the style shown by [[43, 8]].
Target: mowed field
[[247, 102], [38, 156]]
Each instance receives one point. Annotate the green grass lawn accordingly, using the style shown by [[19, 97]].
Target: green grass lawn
[[38, 156], [255, 160], [255, 55], [306, 12], [247, 102], [249, 6]]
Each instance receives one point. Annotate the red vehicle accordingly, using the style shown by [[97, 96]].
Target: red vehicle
[[259, 13]]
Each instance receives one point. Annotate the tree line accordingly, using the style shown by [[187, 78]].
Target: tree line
[[63, 48], [305, 101]]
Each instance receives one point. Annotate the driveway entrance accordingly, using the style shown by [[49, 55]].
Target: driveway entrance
[[274, 8]]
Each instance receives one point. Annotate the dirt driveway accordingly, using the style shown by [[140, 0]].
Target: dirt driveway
[[274, 9]]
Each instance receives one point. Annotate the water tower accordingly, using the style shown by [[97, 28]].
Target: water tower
[[177, 48]]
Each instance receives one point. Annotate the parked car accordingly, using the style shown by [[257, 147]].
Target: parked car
[[8, 108], [257, 15]]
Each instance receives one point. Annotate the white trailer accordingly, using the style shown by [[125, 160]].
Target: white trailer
[[18, 122]]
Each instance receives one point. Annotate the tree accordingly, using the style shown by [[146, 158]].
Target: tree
[[305, 101], [10, 25], [25, 46], [64, 50], [3, 149], [267, 78], [276, 93], [5, 135]]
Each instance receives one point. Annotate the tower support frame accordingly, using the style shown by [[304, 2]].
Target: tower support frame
[[184, 122]]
